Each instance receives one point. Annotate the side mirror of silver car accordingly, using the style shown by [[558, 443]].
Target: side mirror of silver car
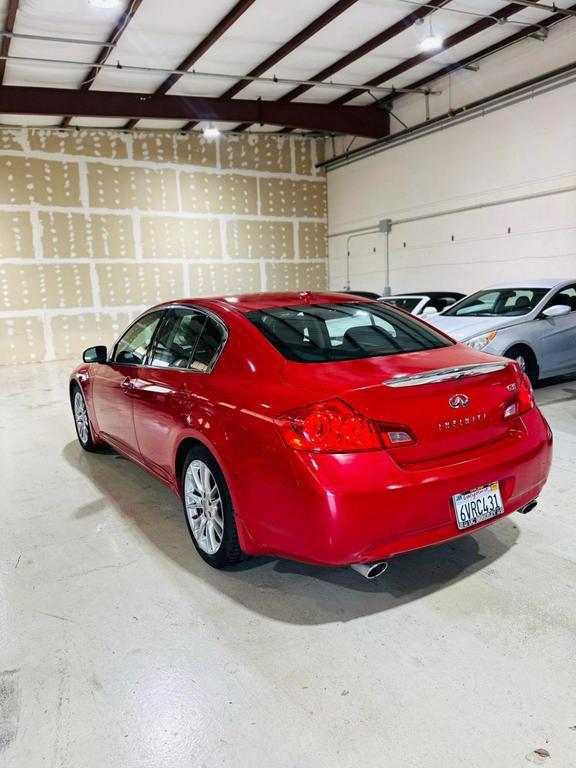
[[556, 310]]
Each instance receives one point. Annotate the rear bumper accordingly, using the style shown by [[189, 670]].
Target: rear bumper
[[357, 508]]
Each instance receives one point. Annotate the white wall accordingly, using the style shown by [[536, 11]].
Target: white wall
[[520, 62], [527, 148]]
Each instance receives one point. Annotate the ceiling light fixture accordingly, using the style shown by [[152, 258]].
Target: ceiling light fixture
[[431, 42], [210, 131], [107, 4]]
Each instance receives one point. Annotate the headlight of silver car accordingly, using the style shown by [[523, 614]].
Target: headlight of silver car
[[479, 342]]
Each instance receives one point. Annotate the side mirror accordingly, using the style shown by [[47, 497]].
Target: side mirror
[[427, 311], [95, 355], [557, 310]]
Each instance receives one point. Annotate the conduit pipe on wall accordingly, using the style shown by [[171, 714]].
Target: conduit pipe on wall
[[384, 227]]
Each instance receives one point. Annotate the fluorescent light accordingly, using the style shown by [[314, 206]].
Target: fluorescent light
[[432, 43], [105, 3], [210, 132]]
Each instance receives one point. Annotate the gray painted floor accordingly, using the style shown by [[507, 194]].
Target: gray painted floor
[[120, 648]]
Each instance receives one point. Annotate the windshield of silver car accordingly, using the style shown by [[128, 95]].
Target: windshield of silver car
[[501, 302]]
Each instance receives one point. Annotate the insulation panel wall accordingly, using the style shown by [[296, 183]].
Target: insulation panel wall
[[95, 226]]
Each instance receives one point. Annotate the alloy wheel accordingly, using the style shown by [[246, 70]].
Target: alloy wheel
[[203, 505], [81, 417]]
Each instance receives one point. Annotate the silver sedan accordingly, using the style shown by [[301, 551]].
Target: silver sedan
[[533, 322]]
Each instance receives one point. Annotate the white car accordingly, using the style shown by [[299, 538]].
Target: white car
[[428, 303]]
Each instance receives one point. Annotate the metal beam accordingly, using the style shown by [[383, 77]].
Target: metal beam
[[5, 45], [106, 50], [362, 50], [360, 121], [499, 16], [203, 46], [523, 34], [295, 41]]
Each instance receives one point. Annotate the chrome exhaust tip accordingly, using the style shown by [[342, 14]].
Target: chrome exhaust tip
[[528, 507], [370, 570]]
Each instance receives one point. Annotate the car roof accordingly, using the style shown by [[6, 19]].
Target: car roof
[[248, 302], [549, 283]]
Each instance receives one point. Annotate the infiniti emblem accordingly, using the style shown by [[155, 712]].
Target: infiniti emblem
[[459, 401]]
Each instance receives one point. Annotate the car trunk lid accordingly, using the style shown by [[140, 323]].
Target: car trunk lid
[[449, 407]]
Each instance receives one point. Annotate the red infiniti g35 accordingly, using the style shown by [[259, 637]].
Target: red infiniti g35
[[315, 426]]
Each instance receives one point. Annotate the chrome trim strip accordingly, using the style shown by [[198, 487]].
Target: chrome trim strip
[[444, 374]]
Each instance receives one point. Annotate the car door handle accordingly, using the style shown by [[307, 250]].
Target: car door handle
[[181, 396], [127, 384]]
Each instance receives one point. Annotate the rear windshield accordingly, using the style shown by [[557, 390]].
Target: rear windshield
[[322, 333]]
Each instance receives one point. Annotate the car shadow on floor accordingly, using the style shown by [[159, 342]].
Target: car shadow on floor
[[282, 590], [560, 389]]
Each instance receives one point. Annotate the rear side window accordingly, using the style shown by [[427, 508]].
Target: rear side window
[[209, 345], [187, 339], [321, 333], [177, 339]]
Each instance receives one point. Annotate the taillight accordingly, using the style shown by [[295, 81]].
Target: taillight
[[329, 427], [524, 400], [335, 427], [525, 395]]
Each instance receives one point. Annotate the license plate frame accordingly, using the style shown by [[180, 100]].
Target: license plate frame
[[478, 505]]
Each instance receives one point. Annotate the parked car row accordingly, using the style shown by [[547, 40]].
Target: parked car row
[[532, 322]]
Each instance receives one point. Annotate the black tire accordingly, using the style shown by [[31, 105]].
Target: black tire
[[527, 361], [229, 551], [86, 439]]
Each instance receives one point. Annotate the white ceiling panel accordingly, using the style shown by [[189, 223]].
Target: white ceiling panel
[[259, 32], [98, 122], [161, 35], [32, 120], [360, 23], [260, 90], [64, 18], [201, 86], [164, 125]]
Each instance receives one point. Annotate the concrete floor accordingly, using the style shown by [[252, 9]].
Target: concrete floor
[[120, 648]]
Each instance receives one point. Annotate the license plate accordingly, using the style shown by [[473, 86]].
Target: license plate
[[475, 506]]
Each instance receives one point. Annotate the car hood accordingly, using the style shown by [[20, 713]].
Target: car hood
[[461, 328]]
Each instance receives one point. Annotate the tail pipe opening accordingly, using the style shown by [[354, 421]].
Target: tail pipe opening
[[370, 570], [528, 507]]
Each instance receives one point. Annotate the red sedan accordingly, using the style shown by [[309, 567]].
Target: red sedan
[[315, 426]]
